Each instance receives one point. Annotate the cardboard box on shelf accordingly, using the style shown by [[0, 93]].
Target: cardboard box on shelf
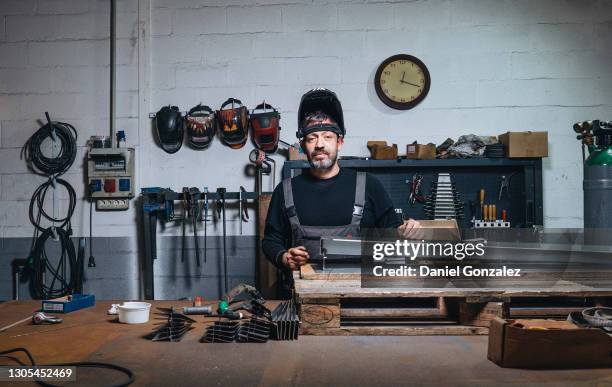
[[421, 151], [525, 144], [379, 150], [547, 344]]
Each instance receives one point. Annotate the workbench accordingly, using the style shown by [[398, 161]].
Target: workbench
[[92, 335]]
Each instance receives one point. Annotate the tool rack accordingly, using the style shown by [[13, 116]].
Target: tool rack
[[155, 205], [524, 202]]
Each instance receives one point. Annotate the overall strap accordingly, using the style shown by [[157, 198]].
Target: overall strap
[[360, 191], [289, 205]]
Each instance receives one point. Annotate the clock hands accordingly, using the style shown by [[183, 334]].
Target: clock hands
[[413, 84]]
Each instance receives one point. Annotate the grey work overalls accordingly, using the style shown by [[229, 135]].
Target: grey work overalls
[[310, 236]]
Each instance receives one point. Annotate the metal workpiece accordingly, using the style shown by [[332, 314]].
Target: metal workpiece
[[286, 322]]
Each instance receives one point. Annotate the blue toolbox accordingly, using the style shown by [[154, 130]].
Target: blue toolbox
[[69, 303]]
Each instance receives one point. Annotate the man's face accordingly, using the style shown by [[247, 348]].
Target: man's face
[[322, 148]]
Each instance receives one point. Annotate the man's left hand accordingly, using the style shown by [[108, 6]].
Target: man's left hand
[[411, 229]]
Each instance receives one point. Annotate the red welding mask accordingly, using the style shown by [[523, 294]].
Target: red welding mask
[[265, 127], [233, 119]]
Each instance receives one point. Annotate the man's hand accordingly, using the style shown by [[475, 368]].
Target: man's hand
[[295, 257], [411, 229]]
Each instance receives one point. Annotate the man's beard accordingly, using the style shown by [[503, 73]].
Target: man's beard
[[323, 164]]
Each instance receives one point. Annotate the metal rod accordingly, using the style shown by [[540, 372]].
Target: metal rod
[[113, 69], [221, 192], [205, 219], [15, 323]]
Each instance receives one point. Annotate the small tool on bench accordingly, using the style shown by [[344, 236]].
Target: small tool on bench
[[42, 318]]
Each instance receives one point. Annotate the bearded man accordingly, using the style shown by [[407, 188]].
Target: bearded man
[[325, 200]]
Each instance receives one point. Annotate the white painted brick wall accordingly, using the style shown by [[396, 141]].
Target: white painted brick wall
[[495, 65], [54, 56]]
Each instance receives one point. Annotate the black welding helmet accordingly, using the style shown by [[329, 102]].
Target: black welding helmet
[[233, 119], [265, 127], [201, 126], [169, 126], [320, 100]]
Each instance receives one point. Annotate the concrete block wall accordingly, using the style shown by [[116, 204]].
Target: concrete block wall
[[495, 66]]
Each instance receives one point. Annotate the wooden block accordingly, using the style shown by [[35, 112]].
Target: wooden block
[[319, 316], [481, 314]]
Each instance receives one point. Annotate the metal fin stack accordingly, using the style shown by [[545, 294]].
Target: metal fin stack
[[174, 329], [255, 330], [285, 321], [444, 201], [220, 332]]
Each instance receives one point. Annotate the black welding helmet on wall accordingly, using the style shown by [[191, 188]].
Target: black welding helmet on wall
[[169, 125], [265, 127], [201, 126], [325, 101], [233, 119]]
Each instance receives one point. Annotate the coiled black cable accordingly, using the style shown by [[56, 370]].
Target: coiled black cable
[[38, 200], [64, 270], [58, 165], [127, 371], [64, 274]]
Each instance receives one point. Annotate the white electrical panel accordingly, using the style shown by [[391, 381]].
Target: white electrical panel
[[110, 177]]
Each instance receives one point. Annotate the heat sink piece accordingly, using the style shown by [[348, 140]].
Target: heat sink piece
[[175, 327], [444, 201], [254, 330], [285, 321], [220, 332]]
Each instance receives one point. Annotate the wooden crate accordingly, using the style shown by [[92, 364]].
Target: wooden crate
[[334, 303]]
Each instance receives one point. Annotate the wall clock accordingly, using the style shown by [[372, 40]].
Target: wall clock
[[402, 81]]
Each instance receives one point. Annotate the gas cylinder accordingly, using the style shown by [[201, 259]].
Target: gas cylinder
[[597, 184]]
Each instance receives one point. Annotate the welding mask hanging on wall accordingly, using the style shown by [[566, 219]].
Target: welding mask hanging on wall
[[265, 127], [201, 126], [169, 125], [233, 119]]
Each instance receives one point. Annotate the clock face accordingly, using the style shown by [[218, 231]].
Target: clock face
[[402, 81]]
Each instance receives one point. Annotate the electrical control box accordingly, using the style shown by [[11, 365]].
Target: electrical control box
[[110, 177]]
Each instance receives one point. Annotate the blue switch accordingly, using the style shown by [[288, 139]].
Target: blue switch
[[95, 185], [124, 185]]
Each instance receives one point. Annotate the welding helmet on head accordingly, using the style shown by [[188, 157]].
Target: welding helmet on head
[[326, 102], [233, 120], [169, 125], [265, 127], [201, 126]]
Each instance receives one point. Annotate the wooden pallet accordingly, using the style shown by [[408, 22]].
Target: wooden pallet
[[334, 303]]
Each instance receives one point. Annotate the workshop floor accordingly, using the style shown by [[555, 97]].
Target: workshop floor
[[312, 360]]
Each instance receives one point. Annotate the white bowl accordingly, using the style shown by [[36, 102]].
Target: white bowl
[[134, 312]]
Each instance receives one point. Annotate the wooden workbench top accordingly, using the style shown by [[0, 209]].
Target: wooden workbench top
[[91, 335]]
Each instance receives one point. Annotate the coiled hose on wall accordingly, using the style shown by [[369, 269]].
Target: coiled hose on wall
[[63, 273]]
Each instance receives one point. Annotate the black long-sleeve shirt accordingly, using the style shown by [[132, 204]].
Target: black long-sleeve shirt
[[326, 202]]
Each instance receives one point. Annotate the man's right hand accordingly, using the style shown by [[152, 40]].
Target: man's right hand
[[295, 257]]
